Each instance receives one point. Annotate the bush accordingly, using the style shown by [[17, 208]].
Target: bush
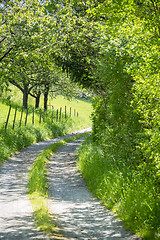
[[131, 191], [14, 140]]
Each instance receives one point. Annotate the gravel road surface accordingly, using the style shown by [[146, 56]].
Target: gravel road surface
[[16, 221], [78, 213]]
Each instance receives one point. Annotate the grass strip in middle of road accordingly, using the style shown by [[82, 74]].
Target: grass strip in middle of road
[[38, 189]]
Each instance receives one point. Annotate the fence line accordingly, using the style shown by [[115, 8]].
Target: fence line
[[46, 115], [15, 117], [21, 117], [8, 117]]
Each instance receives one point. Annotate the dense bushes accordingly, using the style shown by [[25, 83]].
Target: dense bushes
[[130, 190], [121, 161]]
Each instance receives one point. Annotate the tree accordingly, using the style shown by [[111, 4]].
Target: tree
[[75, 37], [30, 65], [25, 32]]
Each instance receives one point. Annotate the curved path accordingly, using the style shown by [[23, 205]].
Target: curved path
[[15, 208], [77, 212]]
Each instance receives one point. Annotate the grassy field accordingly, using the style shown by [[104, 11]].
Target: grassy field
[[12, 140], [82, 106]]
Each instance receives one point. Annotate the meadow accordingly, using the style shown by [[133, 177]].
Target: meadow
[[12, 140]]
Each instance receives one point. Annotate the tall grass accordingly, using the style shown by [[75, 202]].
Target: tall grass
[[38, 189], [127, 190], [13, 140], [82, 106]]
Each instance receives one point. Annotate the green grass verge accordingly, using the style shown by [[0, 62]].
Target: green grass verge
[[12, 140], [38, 189], [127, 190], [82, 106]]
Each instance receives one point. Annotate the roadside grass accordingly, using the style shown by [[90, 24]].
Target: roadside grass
[[131, 193], [38, 189], [81, 105], [12, 140]]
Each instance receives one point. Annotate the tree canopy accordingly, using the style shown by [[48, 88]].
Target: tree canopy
[[28, 39], [110, 46]]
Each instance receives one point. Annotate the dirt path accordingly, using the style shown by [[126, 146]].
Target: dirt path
[[15, 208], [78, 213]]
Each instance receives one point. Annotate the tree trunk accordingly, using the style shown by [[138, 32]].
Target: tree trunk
[[25, 96], [37, 100], [46, 92]]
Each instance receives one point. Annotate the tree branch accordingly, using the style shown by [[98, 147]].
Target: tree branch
[[2, 39], [16, 84], [9, 50]]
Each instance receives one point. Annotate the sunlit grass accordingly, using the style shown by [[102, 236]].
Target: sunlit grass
[[26, 133], [128, 191], [81, 106], [38, 189]]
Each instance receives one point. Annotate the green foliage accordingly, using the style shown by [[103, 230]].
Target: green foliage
[[14, 140], [126, 189], [121, 164]]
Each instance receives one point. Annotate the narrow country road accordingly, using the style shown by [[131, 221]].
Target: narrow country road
[[78, 213], [15, 209]]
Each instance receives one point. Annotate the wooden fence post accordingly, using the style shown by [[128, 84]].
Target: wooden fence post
[[14, 120], [77, 114], [21, 117], [57, 116], [40, 117], [33, 117], [60, 114], [65, 112], [8, 117], [70, 111], [26, 116]]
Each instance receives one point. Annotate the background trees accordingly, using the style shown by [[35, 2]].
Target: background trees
[[28, 39]]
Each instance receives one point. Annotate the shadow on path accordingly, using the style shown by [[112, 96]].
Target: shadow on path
[[15, 208], [78, 213]]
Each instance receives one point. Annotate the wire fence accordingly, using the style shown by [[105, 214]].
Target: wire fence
[[20, 116]]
